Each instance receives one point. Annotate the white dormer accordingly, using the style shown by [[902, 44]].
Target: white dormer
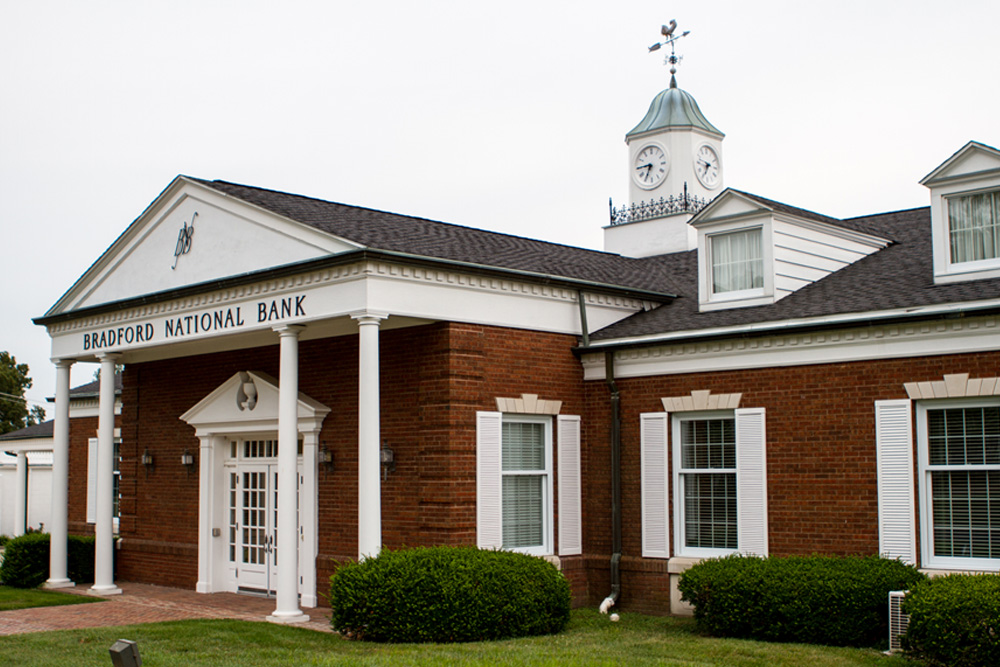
[[753, 252], [965, 214]]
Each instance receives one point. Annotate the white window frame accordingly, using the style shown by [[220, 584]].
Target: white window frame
[[735, 294], [676, 419], [928, 559], [970, 265], [707, 298]]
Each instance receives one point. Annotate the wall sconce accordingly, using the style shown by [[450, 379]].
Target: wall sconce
[[147, 461], [187, 460], [325, 459], [388, 461]]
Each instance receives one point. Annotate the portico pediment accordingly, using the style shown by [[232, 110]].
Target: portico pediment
[[193, 234], [246, 403]]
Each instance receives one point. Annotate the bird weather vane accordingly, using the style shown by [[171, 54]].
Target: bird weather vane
[[184, 238], [669, 38]]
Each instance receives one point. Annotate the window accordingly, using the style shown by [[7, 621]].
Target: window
[[515, 479], [526, 445], [960, 492], [974, 227], [737, 261], [706, 478]]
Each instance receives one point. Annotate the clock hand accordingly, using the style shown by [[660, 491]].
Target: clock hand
[[648, 166]]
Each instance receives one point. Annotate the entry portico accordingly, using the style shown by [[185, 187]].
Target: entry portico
[[216, 269]]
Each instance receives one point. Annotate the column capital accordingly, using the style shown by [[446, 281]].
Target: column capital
[[369, 317], [113, 356], [289, 329], [62, 363]]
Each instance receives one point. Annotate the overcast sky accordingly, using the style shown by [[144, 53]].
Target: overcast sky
[[507, 116]]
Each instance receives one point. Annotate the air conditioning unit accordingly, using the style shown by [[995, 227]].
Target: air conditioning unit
[[897, 620]]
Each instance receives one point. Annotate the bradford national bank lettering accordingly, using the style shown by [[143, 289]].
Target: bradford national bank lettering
[[273, 310]]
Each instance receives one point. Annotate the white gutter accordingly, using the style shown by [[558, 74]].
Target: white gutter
[[783, 325]]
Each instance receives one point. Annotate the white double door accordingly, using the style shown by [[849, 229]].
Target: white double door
[[253, 517]]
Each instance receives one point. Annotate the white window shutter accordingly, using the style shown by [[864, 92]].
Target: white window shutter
[[751, 481], [92, 480], [489, 511], [894, 457], [570, 514], [653, 459]]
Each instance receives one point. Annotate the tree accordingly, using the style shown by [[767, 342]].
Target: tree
[[14, 380]]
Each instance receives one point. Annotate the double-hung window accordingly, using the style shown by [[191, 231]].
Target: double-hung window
[[706, 477], [960, 483], [974, 227], [737, 262], [526, 454]]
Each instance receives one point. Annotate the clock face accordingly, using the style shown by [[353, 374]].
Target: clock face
[[650, 167], [706, 166]]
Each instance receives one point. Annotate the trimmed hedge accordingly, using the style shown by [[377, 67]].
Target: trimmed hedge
[[26, 560], [448, 594], [808, 599], [954, 620]]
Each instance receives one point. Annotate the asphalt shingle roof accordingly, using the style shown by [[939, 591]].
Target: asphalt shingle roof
[[898, 276]]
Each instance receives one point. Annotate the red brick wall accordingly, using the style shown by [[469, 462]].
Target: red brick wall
[[821, 476], [433, 380]]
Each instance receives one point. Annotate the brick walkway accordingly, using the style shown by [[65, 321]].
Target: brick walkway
[[144, 603]]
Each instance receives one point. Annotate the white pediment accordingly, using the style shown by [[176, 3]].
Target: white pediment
[[972, 161], [230, 237], [730, 205], [248, 403]]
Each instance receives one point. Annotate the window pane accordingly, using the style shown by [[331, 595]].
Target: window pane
[[737, 261], [964, 507], [523, 446], [522, 511], [974, 227], [708, 443], [710, 510], [964, 436]]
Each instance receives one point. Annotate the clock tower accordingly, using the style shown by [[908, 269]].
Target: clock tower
[[674, 167]]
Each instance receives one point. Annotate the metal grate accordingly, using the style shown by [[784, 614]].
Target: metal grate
[[898, 621]]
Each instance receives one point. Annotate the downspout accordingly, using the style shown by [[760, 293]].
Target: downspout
[[616, 484]]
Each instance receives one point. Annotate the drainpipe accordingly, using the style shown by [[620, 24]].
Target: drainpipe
[[616, 483]]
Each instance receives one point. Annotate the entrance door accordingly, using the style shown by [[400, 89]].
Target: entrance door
[[257, 554]]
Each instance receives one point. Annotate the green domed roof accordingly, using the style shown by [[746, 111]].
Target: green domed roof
[[673, 107]]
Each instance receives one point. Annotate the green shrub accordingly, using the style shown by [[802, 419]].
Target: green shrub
[[448, 594], [26, 560], [808, 599], [955, 620], [4, 539]]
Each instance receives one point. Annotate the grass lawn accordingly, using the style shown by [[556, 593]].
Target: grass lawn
[[590, 640], [23, 598]]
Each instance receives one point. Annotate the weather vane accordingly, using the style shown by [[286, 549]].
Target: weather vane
[[669, 38]]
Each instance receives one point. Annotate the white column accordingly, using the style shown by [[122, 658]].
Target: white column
[[60, 481], [206, 514], [104, 575], [309, 515], [369, 480], [21, 501], [287, 609]]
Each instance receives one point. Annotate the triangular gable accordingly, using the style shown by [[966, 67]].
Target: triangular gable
[[248, 402], [159, 251], [973, 159], [729, 205]]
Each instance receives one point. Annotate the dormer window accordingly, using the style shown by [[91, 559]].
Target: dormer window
[[737, 262], [974, 227]]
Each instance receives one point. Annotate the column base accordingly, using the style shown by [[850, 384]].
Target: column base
[[58, 583], [203, 587], [104, 591], [286, 617]]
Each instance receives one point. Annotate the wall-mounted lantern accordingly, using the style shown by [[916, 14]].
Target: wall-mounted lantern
[[187, 460], [325, 459], [388, 460], [147, 461]]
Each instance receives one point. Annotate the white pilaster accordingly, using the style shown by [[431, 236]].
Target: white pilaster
[[369, 480], [60, 481], [104, 575], [309, 516], [21, 501], [206, 514], [287, 609]]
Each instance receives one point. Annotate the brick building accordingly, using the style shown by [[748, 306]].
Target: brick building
[[735, 375]]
